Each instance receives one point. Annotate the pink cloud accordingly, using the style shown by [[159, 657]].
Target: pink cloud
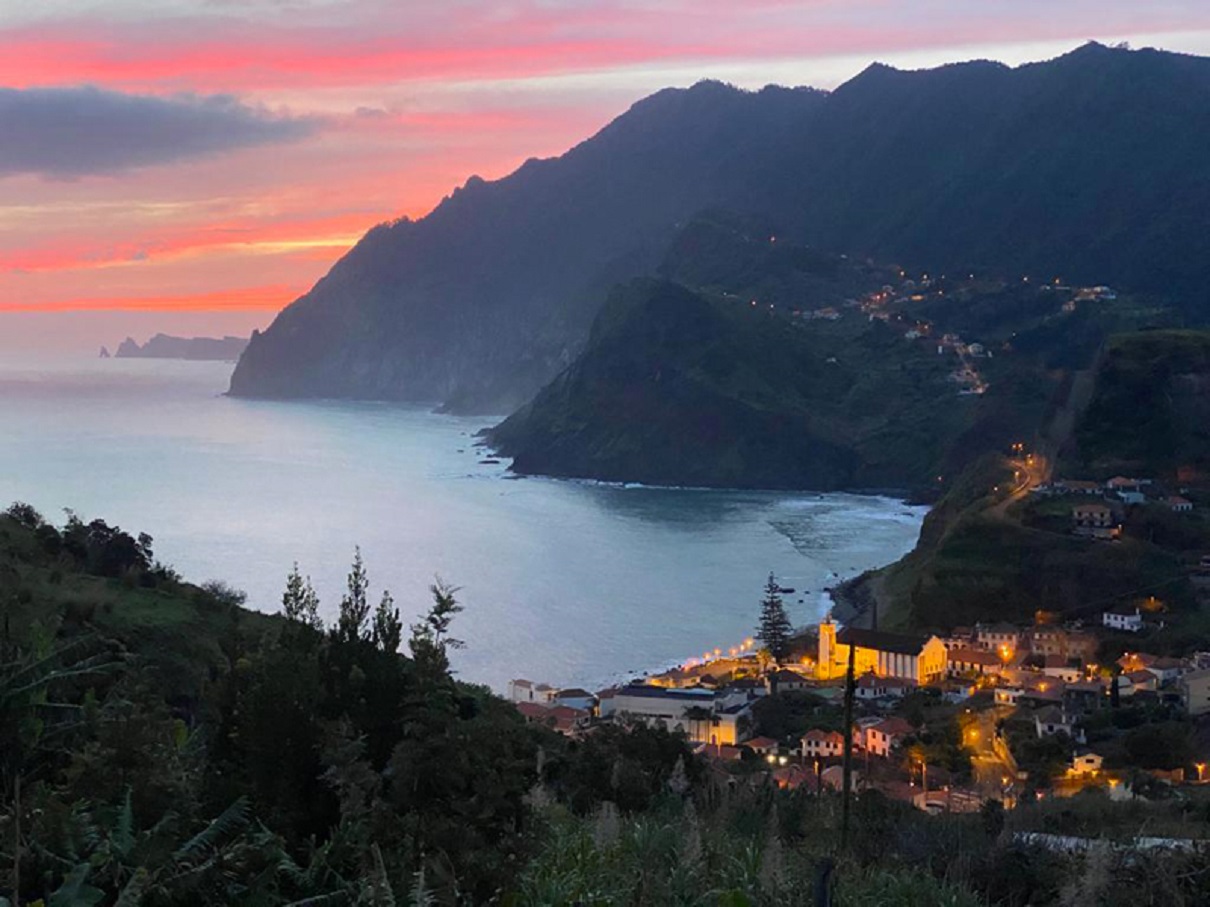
[[446, 90]]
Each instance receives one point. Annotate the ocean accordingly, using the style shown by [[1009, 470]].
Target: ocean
[[568, 582]]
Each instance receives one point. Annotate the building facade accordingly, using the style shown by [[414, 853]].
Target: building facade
[[917, 659]]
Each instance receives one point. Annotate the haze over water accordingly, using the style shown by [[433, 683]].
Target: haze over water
[[567, 582]]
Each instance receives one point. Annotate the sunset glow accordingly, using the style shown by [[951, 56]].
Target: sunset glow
[[247, 145]]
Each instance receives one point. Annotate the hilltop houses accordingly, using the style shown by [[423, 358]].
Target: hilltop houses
[[1127, 618], [1002, 638], [879, 739], [528, 691], [822, 744], [980, 662], [1095, 521]]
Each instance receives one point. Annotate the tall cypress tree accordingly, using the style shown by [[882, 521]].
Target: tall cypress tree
[[353, 623], [774, 630]]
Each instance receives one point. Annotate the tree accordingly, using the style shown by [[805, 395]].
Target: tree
[[387, 630], [430, 642], [299, 602], [774, 629], [351, 625]]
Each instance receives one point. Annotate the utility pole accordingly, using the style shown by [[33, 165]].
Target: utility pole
[[17, 836], [847, 773]]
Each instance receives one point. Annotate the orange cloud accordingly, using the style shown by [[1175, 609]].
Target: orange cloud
[[247, 298], [327, 237]]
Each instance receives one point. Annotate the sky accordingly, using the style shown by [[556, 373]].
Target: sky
[[191, 166]]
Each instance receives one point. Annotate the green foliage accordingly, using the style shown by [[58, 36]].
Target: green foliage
[[774, 629], [352, 623], [1149, 415], [328, 769], [299, 601]]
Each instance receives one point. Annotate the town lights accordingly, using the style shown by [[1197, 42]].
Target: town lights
[[1201, 771]]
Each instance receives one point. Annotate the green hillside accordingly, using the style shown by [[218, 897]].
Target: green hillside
[[1150, 415], [755, 362]]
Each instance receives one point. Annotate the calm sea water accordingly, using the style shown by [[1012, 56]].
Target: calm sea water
[[567, 582]]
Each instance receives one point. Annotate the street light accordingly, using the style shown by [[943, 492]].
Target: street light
[[1201, 771]]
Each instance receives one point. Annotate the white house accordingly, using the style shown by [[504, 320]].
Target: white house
[[886, 735], [1128, 491], [702, 715], [1124, 617], [786, 681], [822, 744], [1177, 504], [1086, 762], [1137, 681], [870, 686], [1008, 695], [1062, 668], [1165, 669], [974, 661], [1053, 721], [1001, 638], [527, 691]]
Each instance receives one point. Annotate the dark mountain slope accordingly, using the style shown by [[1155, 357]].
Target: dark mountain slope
[[757, 362], [1091, 166], [483, 300]]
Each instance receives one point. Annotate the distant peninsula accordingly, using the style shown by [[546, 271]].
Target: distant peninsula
[[163, 346]]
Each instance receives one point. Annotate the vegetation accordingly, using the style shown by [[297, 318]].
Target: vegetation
[[280, 761], [1149, 415], [272, 761], [775, 628]]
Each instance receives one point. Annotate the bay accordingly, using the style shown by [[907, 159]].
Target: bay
[[563, 581]]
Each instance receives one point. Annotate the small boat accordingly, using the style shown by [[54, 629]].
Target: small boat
[[489, 462], [786, 590]]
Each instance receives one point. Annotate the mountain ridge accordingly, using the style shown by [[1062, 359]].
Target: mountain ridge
[[1088, 166]]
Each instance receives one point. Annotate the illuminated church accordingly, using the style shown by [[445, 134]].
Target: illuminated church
[[920, 659]]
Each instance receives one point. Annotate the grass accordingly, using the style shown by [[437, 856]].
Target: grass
[[178, 629]]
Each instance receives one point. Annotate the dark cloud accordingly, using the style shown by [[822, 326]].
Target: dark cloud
[[70, 132]]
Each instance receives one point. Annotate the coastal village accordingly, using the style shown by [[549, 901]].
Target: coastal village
[[947, 721]]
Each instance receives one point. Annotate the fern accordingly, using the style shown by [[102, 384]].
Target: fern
[[377, 890], [230, 823], [123, 832], [133, 891]]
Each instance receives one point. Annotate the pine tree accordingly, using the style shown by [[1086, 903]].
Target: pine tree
[[430, 642], [774, 630], [388, 627], [299, 602], [351, 625]]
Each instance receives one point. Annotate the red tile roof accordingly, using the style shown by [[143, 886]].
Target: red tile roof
[[760, 743], [893, 727], [534, 711], [974, 657]]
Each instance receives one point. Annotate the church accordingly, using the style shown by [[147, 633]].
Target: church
[[919, 659]]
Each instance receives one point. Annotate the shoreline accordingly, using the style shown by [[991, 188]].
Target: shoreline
[[854, 601]]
